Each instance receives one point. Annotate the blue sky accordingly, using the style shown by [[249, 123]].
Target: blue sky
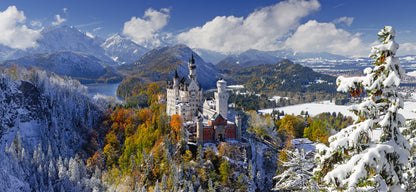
[[345, 27]]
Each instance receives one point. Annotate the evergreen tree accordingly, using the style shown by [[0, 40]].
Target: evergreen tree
[[298, 171], [210, 186], [61, 168], [73, 169], [355, 159], [200, 189], [164, 183], [157, 187], [410, 134]]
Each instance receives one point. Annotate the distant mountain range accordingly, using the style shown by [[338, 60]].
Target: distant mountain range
[[83, 67], [160, 64], [114, 50]]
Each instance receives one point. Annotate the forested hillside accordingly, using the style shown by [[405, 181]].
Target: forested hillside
[[45, 129], [282, 76]]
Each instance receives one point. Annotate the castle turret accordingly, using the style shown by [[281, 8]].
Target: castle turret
[[199, 131], [176, 79], [192, 68], [239, 125], [221, 98]]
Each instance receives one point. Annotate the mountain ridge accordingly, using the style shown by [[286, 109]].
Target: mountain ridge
[[83, 67], [159, 64]]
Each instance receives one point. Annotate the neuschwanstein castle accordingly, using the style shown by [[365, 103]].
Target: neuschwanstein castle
[[184, 97]]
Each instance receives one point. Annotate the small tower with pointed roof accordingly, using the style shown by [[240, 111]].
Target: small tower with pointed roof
[[192, 68]]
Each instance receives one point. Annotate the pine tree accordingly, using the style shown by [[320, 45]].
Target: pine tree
[[355, 159], [61, 168], [157, 187], [410, 134], [298, 171], [164, 183], [73, 169], [210, 186], [200, 189]]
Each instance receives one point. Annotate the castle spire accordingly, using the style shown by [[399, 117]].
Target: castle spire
[[176, 74], [192, 67], [192, 60]]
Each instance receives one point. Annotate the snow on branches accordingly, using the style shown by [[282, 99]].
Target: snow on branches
[[298, 171], [356, 160]]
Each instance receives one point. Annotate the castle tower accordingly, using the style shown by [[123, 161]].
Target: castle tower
[[172, 96], [199, 131], [176, 79], [221, 98], [239, 125], [192, 68], [176, 84]]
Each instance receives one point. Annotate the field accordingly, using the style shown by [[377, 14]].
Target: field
[[315, 108]]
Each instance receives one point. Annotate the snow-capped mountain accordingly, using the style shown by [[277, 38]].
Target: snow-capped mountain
[[77, 65], [122, 50], [114, 50], [67, 38]]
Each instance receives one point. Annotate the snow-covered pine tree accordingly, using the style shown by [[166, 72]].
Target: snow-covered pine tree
[[298, 171], [410, 134], [356, 160]]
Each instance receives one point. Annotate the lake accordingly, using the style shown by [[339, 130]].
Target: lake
[[109, 89]]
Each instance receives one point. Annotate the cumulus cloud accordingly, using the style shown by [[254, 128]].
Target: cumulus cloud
[[325, 37], [65, 10], [347, 20], [262, 29], [59, 20], [144, 30], [13, 32]]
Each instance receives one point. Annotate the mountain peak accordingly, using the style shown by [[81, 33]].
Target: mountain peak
[[116, 37], [122, 50]]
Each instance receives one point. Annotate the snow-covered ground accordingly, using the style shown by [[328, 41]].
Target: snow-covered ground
[[409, 111]]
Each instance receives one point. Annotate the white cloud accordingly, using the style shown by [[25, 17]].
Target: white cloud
[[407, 49], [325, 37], [13, 33], [59, 20], [263, 29], [347, 20], [65, 10], [144, 30], [36, 23]]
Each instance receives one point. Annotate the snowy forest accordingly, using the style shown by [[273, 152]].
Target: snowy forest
[[53, 137]]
